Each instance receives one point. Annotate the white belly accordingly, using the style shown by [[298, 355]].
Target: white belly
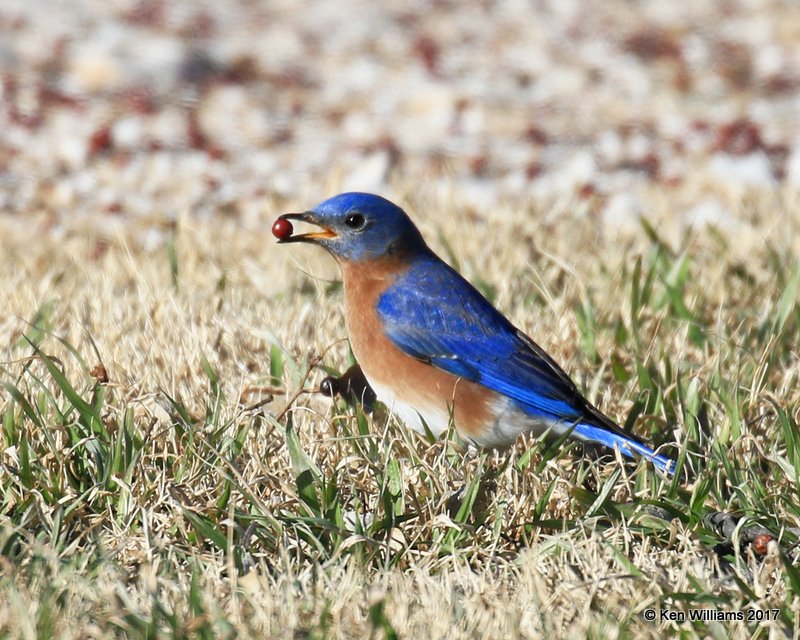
[[437, 418], [507, 423]]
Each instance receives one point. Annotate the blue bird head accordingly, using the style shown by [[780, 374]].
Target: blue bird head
[[359, 226]]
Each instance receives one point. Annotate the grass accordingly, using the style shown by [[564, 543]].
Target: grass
[[195, 486]]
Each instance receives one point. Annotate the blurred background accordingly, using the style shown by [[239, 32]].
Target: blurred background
[[143, 109]]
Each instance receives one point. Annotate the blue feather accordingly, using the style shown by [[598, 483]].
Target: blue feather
[[434, 315], [626, 444]]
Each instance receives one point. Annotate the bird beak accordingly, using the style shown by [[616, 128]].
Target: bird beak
[[314, 236]]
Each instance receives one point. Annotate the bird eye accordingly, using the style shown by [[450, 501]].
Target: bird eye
[[355, 221]]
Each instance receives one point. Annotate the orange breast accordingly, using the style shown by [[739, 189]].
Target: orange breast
[[412, 386]]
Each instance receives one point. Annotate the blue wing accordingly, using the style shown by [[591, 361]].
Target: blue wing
[[434, 315]]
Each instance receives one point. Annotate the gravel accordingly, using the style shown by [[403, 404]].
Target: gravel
[[136, 110]]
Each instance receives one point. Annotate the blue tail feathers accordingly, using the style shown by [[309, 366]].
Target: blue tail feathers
[[627, 445]]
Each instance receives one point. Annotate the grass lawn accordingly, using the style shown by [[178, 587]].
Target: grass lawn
[[168, 470]]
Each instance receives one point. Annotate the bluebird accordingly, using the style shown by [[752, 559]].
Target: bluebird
[[433, 348]]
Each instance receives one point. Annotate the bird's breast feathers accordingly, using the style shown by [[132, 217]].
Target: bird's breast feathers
[[421, 394], [409, 385]]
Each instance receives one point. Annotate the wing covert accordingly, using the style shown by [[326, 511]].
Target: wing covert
[[433, 314]]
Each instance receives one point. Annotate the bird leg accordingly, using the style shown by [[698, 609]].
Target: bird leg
[[352, 386]]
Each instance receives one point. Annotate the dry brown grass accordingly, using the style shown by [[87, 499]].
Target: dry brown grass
[[539, 557], [621, 178]]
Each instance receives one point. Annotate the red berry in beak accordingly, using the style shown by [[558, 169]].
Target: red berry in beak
[[282, 229]]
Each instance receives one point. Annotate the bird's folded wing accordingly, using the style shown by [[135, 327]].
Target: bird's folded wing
[[436, 316]]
